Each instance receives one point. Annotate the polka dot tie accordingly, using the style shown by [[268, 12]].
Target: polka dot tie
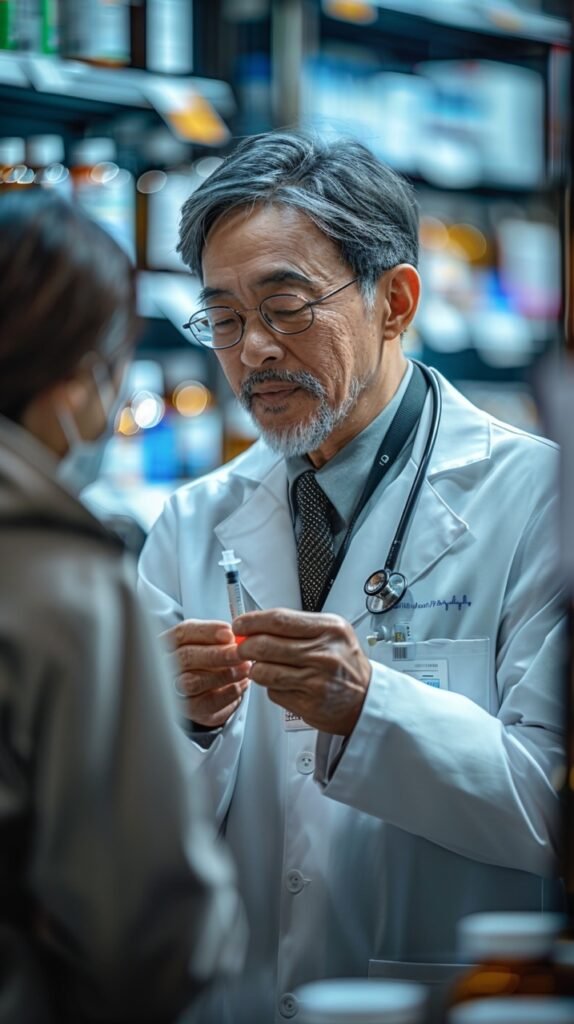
[[315, 540]]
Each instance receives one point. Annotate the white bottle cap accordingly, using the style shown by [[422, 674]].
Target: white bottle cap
[[43, 150], [513, 935], [514, 1010], [361, 1001], [12, 151], [88, 152]]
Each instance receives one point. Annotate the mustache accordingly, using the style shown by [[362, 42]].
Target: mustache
[[300, 378]]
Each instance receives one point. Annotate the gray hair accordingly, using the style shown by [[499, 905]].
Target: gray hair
[[366, 208]]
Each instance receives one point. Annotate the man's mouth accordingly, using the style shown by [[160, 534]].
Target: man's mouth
[[274, 390]]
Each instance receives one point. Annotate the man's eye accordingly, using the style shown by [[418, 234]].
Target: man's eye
[[285, 313]]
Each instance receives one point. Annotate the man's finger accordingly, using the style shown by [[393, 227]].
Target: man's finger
[[288, 651], [287, 623], [214, 720], [198, 631], [210, 703], [279, 677], [196, 683], [194, 657]]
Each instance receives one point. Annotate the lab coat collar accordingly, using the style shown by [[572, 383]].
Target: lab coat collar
[[261, 533]]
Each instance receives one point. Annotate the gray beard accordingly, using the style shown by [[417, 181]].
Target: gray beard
[[306, 437]]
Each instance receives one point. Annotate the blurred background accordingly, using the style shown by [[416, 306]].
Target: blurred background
[[127, 105]]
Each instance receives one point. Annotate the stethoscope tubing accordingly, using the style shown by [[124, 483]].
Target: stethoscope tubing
[[419, 479], [389, 574]]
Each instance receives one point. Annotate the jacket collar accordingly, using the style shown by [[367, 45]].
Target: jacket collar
[[261, 532], [29, 488]]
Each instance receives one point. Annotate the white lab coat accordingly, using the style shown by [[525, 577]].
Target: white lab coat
[[443, 800]]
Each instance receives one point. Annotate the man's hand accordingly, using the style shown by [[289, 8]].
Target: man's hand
[[210, 670], [310, 663]]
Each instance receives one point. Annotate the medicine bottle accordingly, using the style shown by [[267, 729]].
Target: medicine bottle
[[96, 31], [45, 156], [521, 1010], [103, 189], [162, 36], [14, 172], [361, 1001], [512, 954]]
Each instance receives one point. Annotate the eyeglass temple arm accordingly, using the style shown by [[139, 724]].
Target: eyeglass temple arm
[[315, 302]]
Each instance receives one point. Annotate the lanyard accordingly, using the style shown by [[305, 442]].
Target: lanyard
[[404, 420]]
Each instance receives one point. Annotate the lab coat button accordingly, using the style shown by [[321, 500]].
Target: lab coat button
[[295, 881], [288, 1005], [305, 762]]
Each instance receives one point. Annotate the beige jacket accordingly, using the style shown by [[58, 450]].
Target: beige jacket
[[115, 902]]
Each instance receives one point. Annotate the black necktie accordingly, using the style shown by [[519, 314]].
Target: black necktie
[[315, 540]]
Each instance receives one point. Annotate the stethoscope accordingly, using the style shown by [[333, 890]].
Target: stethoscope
[[387, 586]]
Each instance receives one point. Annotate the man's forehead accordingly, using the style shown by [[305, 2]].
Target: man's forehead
[[267, 237]]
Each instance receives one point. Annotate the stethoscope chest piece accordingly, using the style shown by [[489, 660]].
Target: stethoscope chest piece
[[384, 590]]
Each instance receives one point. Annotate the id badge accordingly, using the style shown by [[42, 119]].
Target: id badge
[[432, 671]]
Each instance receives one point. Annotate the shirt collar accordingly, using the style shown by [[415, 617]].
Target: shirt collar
[[343, 477]]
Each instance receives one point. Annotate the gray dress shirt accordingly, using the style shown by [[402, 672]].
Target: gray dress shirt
[[343, 477]]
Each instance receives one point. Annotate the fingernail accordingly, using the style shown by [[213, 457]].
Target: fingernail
[[224, 635]]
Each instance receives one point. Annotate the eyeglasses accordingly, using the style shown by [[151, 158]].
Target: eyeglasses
[[220, 327]]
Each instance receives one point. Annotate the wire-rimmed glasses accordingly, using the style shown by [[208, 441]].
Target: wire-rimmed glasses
[[219, 327]]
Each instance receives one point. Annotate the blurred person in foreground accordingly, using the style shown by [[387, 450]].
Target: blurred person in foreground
[[367, 809], [116, 903]]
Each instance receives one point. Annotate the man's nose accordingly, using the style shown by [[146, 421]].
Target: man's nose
[[259, 343]]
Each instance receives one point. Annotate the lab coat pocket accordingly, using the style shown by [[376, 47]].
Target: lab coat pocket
[[463, 666], [437, 978]]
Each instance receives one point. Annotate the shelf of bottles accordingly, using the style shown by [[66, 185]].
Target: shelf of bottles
[[471, 102], [478, 125], [117, 64]]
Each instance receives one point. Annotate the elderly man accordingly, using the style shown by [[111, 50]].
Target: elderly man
[[375, 784]]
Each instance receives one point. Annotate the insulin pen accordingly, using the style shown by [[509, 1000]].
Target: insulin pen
[[234, 592]]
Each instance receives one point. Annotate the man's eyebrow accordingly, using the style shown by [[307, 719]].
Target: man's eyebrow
[[279, 276], [210, 293]]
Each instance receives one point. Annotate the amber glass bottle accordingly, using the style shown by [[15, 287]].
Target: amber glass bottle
[[512, 953]]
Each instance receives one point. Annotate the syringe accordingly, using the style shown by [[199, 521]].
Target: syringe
[[233, 583]]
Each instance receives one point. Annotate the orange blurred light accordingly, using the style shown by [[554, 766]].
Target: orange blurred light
[[433, 233], [351, 10], [191, 398], [127, 424], [470, 239]]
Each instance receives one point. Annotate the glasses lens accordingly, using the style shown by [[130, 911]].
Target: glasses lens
[[216, 327], [288, 314]]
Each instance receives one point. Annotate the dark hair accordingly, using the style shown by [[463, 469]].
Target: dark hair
[[367, 209], [66, 289]]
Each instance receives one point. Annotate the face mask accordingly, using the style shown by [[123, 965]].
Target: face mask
[[82, 462]]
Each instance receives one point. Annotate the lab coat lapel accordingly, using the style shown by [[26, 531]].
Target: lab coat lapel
[[261, 533], [435, 525]]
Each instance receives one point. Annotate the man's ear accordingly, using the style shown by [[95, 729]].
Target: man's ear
[[403, 289]]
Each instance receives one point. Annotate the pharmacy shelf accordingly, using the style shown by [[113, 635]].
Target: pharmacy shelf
[[171, 296], [194, 108], [494, 17]]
